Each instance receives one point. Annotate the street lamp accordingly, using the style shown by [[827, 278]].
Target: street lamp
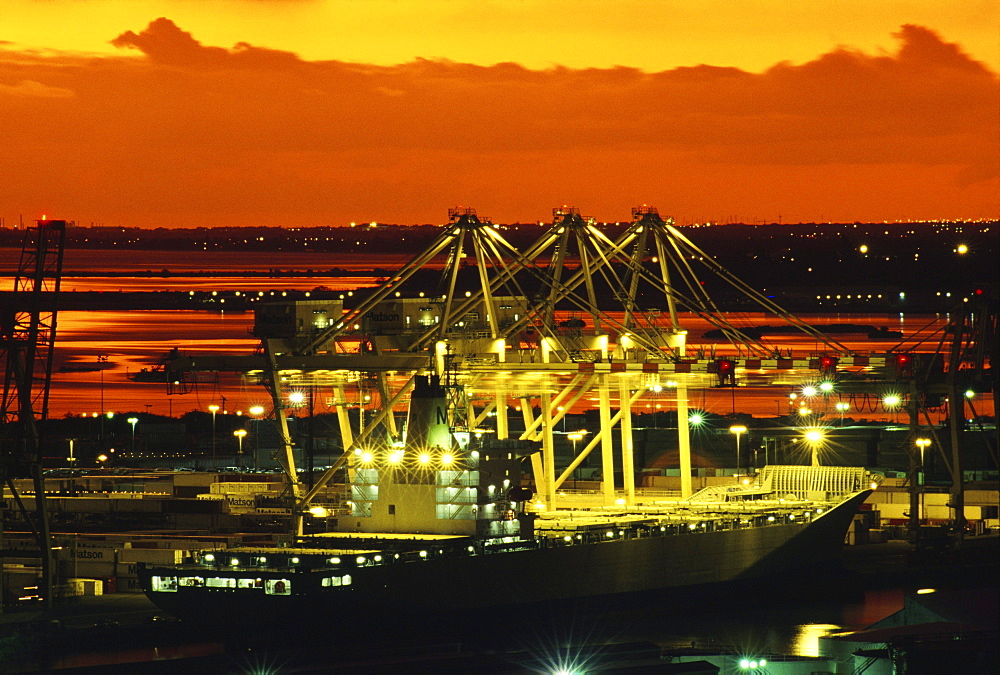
[[214, 409], [132, 421], [738, 429], [892, 402], [814, 437], [922, 443], [256, 411], [842, 407], [576, 436], [240, 434], [109, 415]]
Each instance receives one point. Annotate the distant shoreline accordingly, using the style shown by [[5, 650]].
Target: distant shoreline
[[276, 273]]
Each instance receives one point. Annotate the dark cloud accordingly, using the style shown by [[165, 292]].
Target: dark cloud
[[163, 42]]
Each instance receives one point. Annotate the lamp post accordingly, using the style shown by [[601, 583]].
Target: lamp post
[[922, 443], [214, 409], [132, 421], [738, 429], [256, 411], [655, 390], [240, 435], [109, 415], [576, 436], [814, 437], [842, 407], [892, 402]]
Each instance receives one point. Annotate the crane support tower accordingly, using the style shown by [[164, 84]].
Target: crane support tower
[[27, 341]]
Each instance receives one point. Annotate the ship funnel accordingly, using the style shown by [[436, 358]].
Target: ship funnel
[[427, 420]]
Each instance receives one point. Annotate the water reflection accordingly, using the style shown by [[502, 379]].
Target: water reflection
[[204, 284], [111, 260], [97, 351]]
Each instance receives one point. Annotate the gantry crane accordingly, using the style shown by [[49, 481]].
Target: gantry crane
[[489, 330], [958, 370]]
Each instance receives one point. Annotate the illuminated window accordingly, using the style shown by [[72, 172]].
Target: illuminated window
[[165, 584], [278, 587], [344, 580]]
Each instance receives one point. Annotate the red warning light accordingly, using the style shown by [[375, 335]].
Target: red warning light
[[828, 363], [904, 363], [726, 370]]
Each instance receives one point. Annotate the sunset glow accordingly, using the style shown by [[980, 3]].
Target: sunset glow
[[160, 114]]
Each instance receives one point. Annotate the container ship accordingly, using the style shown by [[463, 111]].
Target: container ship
[[445, 523]]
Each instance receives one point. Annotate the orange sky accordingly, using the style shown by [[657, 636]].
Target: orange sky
[[292, 112]]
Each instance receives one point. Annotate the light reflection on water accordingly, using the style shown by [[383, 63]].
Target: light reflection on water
[[92, 260], [132, 340], [765, 620], [247, 285]]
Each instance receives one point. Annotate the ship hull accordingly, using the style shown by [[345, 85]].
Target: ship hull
[[592, 570]]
